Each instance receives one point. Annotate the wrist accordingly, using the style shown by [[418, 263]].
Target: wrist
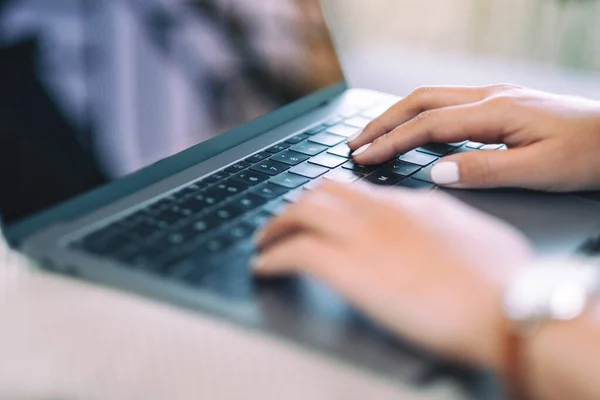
[[543, 301]]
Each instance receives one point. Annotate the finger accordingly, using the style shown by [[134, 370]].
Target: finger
[[485, 121], [296, 254], [518, 168], [422, 99], [322, 211]]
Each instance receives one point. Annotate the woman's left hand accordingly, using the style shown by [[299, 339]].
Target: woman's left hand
[[421, 264]]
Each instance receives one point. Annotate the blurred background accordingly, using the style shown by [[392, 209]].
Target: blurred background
[[395, 45]]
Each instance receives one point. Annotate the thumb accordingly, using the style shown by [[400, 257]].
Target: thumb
[[517, 168]]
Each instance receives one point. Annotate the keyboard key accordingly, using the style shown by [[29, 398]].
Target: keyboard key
[[216, 177], [363, 169], [231, 187], [328, 160], [251, 178], [290, 157], [345, 176], [418, 158], [376, 111], [211, 196], [437, 149], [241, 231], [316, 129], [384, 178], [199, 227], [228, 212], [314, 184], [160, 205], [343, 130], [327, 139], [216, 244], [411, 183], [403, 168], [463, 149], [237, 167], [249, 201], [294, 196], [342, 150], [270, 191], [145, 229], [193, 205], [474, 145], [490, 147], [258, 220], [277, 207], [358, 122], [308, 148], [309, 170], [424, 174], [290, 181], [333, 121], [297, 139], [270, 167], [278, 148], [258, 157], [349, 113], [169, 217]]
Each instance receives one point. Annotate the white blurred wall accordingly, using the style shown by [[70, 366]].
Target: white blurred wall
[[562, 32], [395, 45]]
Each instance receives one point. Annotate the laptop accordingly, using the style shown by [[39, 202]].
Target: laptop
[[144, 142]]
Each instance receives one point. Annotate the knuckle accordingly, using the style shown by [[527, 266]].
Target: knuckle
[[479, 169], [426, 116], [501, 102], [503, 87], [422, 92], [377, 125]]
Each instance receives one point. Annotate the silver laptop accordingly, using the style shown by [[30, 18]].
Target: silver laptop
[[144, 141]]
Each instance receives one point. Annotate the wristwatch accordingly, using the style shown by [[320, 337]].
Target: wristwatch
[[558, 290], [550, 290]]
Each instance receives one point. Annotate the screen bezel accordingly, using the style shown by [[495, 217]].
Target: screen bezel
[[75, 207]]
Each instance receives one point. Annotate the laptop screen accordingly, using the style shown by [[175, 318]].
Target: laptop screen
[[93, 90]]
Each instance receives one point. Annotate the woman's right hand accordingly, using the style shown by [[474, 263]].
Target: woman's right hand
[[553, 141]]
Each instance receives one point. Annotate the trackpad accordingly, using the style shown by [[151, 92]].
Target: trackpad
[[556, 223]]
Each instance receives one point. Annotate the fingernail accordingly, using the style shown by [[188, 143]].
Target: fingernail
[[258, 237], [256, 263], [353, 137], [445, 173], [361, 150]]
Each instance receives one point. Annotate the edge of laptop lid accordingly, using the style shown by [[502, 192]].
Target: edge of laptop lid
[[84, 203], [17, 229]]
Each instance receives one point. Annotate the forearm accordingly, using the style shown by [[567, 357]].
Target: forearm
[[562, 360]]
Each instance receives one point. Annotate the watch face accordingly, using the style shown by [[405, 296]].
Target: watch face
[[557, 290]]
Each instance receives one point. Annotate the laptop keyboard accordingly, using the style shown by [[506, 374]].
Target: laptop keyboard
[[221, 212]]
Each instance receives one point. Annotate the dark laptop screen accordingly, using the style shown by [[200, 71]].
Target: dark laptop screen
[[93, 90]]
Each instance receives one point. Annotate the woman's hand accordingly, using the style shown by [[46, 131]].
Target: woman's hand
[[423, 265], [553, 141]]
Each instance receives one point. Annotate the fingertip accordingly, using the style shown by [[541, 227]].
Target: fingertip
[[354, 137], [361, 150], [445, 173], [258, 265], [258, 237]]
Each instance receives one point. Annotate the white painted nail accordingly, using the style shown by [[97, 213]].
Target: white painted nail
[[361, 150], [354, 136], [445, 173]]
